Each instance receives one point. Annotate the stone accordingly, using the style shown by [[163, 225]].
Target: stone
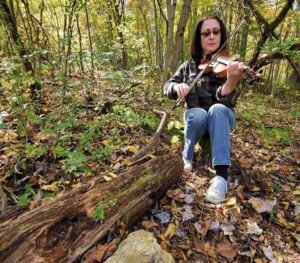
[[140, 247]]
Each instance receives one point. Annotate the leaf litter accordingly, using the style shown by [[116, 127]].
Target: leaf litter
[[258, 222]]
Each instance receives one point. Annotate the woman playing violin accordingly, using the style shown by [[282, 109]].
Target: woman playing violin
[[209, 104]]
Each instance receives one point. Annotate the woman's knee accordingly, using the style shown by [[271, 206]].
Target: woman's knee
[[217, 108], [196, 117]]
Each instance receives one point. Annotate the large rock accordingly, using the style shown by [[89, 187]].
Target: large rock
[[140, 247]]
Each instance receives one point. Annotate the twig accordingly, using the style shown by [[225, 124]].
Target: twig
[[154, 140], [3, 201]]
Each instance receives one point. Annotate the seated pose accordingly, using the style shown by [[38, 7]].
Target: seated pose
[[209, 105]]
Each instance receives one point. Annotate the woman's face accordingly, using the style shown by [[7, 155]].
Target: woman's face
[[210, 36]]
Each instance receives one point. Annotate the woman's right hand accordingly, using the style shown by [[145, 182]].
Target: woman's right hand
[[181, 89]]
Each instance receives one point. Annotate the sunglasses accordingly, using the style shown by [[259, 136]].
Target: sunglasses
[[215, 32]]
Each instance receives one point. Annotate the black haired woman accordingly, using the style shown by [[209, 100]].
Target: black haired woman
[[209, 105]]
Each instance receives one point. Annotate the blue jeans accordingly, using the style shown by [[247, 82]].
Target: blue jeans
[[217, 121]]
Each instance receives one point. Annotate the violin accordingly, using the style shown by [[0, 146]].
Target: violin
[[219, 66]]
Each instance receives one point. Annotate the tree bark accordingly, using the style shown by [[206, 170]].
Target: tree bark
[[178, 46], [118, 15], [171, 8], [90, 39], [62, 229]]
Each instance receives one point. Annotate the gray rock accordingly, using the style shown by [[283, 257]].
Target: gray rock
[[140, 247]]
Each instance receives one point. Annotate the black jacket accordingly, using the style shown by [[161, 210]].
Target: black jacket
[[205, 93]]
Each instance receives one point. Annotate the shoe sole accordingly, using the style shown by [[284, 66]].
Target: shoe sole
[[214, 201]]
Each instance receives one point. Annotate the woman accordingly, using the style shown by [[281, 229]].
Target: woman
[[209, 105]]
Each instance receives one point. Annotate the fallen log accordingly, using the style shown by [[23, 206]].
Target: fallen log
[[63, 229]]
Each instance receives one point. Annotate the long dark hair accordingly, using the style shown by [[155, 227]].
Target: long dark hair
[[195, 47]]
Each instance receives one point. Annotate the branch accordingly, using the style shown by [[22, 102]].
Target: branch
[[154, 140], [269, 30], [162, 12], [265, 60]]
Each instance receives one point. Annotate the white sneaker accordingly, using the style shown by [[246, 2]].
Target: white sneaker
[[188, 166], [217, 190]]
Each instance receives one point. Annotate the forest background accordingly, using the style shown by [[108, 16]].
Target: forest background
[[79, 80]]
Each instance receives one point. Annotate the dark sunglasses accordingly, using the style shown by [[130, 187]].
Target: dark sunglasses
[[215, 32]]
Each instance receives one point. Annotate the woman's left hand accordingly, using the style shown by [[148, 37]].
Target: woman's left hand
[[235, 71]]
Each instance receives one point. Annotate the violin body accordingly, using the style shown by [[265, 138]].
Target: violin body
[[219, 66]]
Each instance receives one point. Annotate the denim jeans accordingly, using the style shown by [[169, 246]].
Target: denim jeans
[[217, 121]]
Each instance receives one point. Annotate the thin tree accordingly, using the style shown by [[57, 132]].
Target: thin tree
[[9, 20]]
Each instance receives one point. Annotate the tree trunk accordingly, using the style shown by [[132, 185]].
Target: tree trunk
[[147, 33], [68, 52], [90, 39], [118, 14], [80, 44], [11, 25], [171, 8], [178, 46], [62, 229]]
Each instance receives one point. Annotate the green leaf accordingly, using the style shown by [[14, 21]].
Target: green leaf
[[29, 190], [23, 200], [99, 212], [48, 194]]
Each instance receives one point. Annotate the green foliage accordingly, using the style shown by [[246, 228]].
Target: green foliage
[[29, 192], [48, 194], [274, 135], [276, 187], [256, 112], [16, 84], [75, 161], [33, 151], [176, 130], [272, 215], [283, 47], [99, 213]]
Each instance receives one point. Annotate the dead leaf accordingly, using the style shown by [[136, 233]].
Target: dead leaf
[[210, 251], [187, 214], [283, 222], [149, 224], [258, 260], [227, 249], [176, 194], [262, 206], [227, 229], [203, 227], [171, 230], [101, 252], [113, 175], [253, 228], [214, 226], [133, 149], [107, 178], [269, 253], [50, 187]]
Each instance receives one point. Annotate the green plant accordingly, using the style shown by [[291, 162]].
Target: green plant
[[29, 192], [276, 187], [99, 213]]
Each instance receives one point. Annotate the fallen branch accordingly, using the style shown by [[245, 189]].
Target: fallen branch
[[154, 140], [62, 229]]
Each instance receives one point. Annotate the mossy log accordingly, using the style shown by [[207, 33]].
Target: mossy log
[[63, 229]]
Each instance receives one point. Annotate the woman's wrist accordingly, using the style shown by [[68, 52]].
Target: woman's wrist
[[228, 87]]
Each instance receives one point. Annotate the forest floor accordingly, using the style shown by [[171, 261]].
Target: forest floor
[[258, 222], [260, 219]]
